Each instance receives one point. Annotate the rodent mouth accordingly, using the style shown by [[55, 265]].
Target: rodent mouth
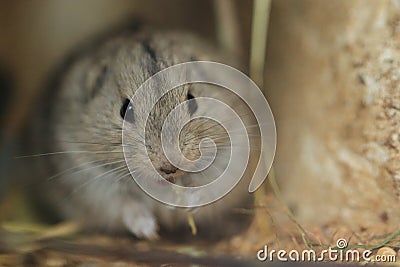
[[170, 179], [167, 179]]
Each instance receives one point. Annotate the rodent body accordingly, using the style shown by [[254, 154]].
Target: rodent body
[[83, 118]]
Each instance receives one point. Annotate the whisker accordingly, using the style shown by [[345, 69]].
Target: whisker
[[119, 178], [72, 168], [229, 147], [92, 180], [76, 190], [90, 143], [86, 169], [221, 123], [217, 136], [65, 152]]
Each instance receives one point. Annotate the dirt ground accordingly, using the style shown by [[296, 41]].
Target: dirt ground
[[27, 244]]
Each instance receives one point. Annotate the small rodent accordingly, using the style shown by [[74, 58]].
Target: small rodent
[[87, 179]]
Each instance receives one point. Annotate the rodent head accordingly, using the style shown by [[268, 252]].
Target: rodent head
[[96, 93]]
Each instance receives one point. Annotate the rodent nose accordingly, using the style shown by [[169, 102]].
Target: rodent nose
[[168, 169]]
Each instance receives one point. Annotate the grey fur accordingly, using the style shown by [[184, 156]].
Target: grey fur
[[83, 115]]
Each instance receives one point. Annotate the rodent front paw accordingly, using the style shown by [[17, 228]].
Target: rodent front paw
[[141, 224]]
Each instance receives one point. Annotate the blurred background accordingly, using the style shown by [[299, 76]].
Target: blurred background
[[332, 79]]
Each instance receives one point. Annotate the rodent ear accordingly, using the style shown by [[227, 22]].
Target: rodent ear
[[95, 79]]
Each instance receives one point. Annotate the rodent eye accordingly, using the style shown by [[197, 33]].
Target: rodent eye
[[126, 111], [192, 104]]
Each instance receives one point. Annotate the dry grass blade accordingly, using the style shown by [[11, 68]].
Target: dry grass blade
[[259, 34], [228, 33], [257, 60]]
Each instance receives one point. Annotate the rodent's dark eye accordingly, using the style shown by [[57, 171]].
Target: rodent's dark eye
[[192, 104], [126, 111]]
